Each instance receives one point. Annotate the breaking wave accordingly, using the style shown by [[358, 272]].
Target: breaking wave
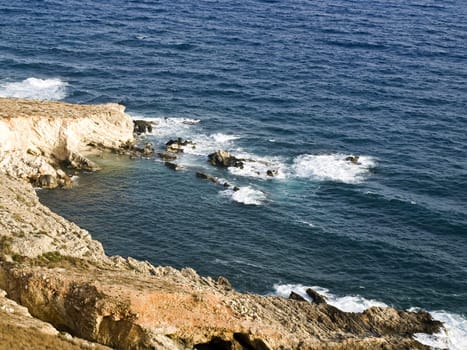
[[245, 195], [34, 88], [333, 167]]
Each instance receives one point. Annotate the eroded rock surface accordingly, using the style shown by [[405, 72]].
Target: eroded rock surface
[[38, 136]]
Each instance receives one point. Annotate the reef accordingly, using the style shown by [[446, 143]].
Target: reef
[[58, 288]]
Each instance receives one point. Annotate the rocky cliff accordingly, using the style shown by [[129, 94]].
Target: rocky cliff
[[39, 137], [77, 297]]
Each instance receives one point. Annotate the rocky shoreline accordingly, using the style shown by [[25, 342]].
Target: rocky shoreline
[[78, 297]]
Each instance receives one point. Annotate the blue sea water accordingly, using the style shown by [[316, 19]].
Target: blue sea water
[[297, 86]]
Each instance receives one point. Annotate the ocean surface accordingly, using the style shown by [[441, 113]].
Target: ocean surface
[[297, 86]]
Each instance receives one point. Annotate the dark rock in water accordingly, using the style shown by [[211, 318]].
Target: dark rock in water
[[176, 146], [226, 185], [173, 166], [47, 181], [207, 177], [353, 159], [236, 189], [224, 159], [295, 296], [142, 126], [167, 157], [271, 172], [317, 298]]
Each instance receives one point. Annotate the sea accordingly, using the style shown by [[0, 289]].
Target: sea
[[295, 87]]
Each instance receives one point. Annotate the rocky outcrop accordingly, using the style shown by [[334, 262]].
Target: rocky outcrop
[[21, 331], [177, 145], [224, 159], [68, 284], [142, 126], [37, 137]]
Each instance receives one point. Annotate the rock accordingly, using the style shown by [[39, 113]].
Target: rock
[[317, 298], [207, 177], [272, 172], [353, 159], [224, 159], [142, 126], [224, 282], [177, 146], [167, 157], [147, 150], [236, 189], [47, 181], [173, 166], [295, 296]]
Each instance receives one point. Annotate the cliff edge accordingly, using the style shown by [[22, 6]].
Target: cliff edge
[[77, 297]]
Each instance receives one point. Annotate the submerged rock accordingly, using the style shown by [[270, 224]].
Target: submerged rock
[[167, 157], [207, 177], [173, 166]]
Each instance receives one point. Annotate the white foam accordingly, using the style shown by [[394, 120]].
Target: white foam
[[34, 88], [346, 303], [453, 337], [224, 138], [206, 144], [257, 167], [245, 195], [333, 167]]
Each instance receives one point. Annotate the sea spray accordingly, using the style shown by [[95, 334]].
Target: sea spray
[[34, 88]]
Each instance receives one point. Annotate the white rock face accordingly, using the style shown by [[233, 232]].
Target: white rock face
[[36, 135]]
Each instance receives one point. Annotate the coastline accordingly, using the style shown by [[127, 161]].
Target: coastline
[[63, 277]]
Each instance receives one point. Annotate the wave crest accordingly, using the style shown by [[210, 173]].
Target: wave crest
[[34, 88], [333, 167], [245, 195]]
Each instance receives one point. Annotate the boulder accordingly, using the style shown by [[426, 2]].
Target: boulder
[[353, 159], [142, 126], [317, 298], [47, 181], [272, 172], [295, 296], [224, 159], [177, 146]]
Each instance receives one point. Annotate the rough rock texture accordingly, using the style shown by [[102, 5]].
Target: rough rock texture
[[29, 229], [37, 135], [63, 277], [19, 330]]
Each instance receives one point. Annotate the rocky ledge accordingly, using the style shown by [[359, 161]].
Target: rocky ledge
[[58, 289]]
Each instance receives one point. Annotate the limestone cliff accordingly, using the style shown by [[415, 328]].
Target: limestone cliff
[[63, 277], [38, 136]]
